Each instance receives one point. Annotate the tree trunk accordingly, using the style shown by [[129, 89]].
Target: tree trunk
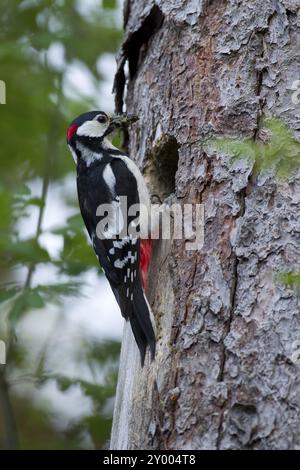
[[223, 376]]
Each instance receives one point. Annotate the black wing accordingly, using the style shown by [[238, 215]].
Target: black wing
[[119, 256]]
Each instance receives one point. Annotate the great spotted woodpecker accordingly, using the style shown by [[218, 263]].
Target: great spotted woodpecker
[[104, 174]]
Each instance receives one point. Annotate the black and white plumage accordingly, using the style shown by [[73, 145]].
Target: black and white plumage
[[105, 175]]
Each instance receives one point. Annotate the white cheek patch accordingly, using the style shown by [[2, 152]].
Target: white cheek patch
[[91, 129]]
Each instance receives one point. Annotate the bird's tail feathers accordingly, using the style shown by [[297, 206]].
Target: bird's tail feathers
[[140, 320]]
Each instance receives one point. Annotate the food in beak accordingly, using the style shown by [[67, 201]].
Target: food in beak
[[124, 120]]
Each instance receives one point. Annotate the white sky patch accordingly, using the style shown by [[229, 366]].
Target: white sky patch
[[47, 274], [97, 314], [54, 24], [53, 243], [56, 56], [79, 81], [27, 4], [67, 401], [106, 67], [88, 8], [119, 13]]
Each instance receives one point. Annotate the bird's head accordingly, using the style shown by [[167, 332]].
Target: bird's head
[[92, 129]]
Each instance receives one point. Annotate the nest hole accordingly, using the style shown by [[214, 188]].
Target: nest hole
[[162, 165]]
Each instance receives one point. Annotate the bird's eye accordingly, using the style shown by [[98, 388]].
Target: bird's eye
[[102, 119]]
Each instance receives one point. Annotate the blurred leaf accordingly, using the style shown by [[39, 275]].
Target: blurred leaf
[[77, 255], [37, 297], [74, 225], [55, 292], [109, 4], [22, 252], [27, 300], [8, 293], [38, 430], [34, 300], [36, 201], [23, 190], [18, 355], [100, 352], [6, 202], [98, 393], [99, 429]]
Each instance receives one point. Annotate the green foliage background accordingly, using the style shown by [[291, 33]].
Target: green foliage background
[[33, 147]]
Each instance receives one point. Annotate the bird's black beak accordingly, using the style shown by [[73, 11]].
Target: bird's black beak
[[120, 121]]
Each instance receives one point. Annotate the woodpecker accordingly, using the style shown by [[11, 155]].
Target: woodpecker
[[105, 176]]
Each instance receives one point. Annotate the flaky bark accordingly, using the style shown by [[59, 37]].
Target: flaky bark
[[222, 378]]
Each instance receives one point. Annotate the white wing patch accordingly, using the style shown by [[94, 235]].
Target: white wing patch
[[144, 198], [120, 263], [109, 178], [121, 243]]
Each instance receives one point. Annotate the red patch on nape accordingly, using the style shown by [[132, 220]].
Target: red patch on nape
[[71, 131], [145, 258]]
